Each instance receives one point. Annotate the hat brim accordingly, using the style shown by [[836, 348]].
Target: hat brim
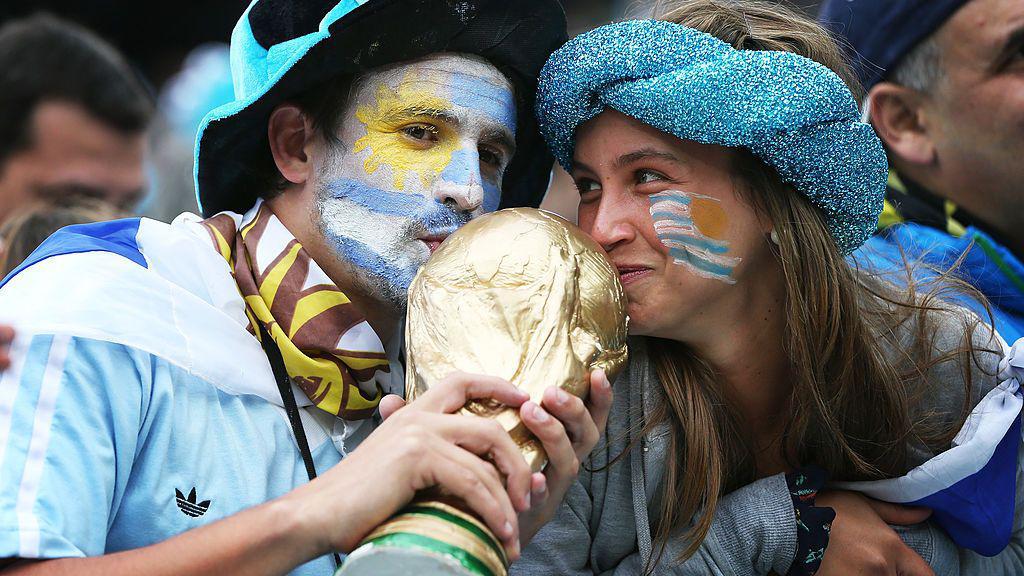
[[517, 36]]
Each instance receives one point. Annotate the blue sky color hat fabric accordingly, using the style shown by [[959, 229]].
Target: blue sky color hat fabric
[[881, 32], [280, 48], [791, 112]]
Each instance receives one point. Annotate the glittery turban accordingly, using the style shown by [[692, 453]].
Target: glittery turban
[[791, 112]]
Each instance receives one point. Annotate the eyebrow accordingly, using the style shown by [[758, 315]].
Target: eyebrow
[[626, 159], [644, 154], [399, 114], [498, 133]]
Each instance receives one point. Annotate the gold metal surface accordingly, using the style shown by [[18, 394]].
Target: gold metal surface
[[520, 294]]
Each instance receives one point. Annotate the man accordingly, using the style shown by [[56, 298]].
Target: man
[[173, 388], [73, 116], [946, 95]]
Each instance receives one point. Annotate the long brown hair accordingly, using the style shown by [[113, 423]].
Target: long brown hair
[[852, 403]]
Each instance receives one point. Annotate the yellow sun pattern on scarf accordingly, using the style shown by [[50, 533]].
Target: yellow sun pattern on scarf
[[327, 374], [396, 109]]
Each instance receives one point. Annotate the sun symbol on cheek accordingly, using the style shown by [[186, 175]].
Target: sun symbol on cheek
[[389, 146], [693, 228]]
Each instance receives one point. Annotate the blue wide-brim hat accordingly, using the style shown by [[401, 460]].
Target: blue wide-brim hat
[[281, 48]]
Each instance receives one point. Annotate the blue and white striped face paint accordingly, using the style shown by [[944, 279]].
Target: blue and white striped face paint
[[693, 227], [423, 149]]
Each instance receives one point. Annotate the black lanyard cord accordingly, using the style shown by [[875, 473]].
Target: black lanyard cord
[[284, 386]]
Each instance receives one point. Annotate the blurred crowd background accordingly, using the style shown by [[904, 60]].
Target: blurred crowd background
[[126, 148]]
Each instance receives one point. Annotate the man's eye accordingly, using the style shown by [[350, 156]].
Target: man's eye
[[490, 157], [645, 176], [423, 132]]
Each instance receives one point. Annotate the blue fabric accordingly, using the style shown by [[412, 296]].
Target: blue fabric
[[977, 512], [989, 267], [125, 433], [254, 70], [882, 32], [116, 236], [793, 113]]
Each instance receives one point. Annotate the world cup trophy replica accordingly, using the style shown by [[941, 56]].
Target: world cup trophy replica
[[521, 294]]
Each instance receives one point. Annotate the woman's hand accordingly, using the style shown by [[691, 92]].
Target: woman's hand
[[861, 541], [419, 446], [568, 438]]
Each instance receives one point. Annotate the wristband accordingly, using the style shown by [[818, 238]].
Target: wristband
[[813, 523]]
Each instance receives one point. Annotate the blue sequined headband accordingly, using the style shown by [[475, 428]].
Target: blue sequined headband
[[791, 112]]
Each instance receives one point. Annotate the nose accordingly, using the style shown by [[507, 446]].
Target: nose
[[466, 197], [609, 221], [460, 182]]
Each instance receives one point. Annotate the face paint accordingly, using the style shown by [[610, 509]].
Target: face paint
[[485, 96], [395, 110], [693, 227], [430, 218], [462, 174], [414, 123], [383, 252], [413, 165]]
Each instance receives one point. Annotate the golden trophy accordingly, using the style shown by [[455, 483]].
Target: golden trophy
[[521, 294]]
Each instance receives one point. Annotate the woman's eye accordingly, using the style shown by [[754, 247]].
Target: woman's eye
[[422, 132], [645, 176], [585, 185]]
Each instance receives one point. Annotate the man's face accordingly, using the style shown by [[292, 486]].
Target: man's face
[[71, 152], [422, 150], [979, 106]]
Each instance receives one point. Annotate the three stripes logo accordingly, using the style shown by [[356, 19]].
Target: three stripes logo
[[189, 505]]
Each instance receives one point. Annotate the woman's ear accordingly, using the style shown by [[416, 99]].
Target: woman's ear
[[899, 116], [290, 133]]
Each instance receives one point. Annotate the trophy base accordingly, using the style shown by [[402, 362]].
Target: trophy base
[[396, 561], [429, 538]]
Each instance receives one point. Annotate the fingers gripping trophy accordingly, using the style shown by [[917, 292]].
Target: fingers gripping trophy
[[521, 294]]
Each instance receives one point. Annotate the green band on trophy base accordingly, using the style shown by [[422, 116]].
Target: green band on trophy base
[[429, 537], [406, 540], [483, 535]]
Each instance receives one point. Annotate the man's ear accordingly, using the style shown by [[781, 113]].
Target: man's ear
[[901, 120], [290, 133]]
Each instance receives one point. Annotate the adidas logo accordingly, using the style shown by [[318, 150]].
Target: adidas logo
[[189, 505]]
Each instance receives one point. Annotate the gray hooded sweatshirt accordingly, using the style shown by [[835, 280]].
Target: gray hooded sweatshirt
[[604, 524]]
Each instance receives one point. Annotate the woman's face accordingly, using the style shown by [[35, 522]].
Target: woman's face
[[687, 246]]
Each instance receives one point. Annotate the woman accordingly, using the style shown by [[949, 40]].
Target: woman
[[728, 178]]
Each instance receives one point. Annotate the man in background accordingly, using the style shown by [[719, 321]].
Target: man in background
[[945, 82], [73, 116]]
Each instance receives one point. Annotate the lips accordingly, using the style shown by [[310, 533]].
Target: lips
[[629, 273], [433, 241]]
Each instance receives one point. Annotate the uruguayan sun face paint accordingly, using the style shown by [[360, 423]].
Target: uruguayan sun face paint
[[423, 149], [693, 228]]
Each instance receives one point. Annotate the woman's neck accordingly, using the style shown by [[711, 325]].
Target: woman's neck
[[747, 349]]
